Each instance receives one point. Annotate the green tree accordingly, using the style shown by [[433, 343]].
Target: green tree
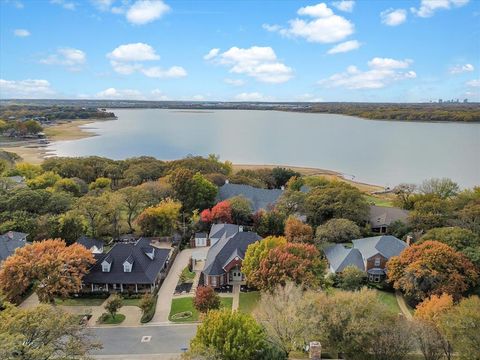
[[291, 202], [443, 188], [429, 211], [241, 209], [113, 304], [147, 302], [33, 127], [337, 231], [43, 181], [93, 209], [267, 223], [68, 185], [100, 183], [71, 227], [43, 333], [134, 201], [352, 278], [230, 336], [160, 220], [282, 175]]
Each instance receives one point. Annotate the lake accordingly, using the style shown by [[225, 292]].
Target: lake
[[377, 152]]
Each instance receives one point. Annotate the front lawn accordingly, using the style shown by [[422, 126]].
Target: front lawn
[[248, 301], [80, 302], [389, 299], [107, 319], [185, 305]]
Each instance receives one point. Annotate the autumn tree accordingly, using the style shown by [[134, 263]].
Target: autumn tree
[[206, 299], [43, 333], [297, 231], [254, 255], [337, 231], [230, 336], [147, 302], [54, 269], [221, 213], [161, 219], [431, 268], [113, 304], [299, 263]]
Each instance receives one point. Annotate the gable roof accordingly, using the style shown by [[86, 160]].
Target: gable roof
[[386, 245], [219, 230], [384, 216], [144, 270], [225, 248], [339, 257], [259, 198], [9, 242], [90, 242]]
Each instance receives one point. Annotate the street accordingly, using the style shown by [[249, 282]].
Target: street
[[165, 339]]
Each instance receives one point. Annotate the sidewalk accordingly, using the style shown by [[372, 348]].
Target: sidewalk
[[236, 297], [403, 305]]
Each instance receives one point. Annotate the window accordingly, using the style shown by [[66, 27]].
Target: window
[[105, 267], [377, 261], [214, 280], [127, 267]]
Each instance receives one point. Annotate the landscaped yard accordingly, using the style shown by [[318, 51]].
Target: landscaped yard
[[185, 305], [80, 302], [107, 319], [248, 301]]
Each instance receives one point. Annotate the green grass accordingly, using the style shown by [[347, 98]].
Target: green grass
[[390, 300], [107, 319], [186, 276], [378, 201], [248, 301], [186, 304], [80, 302]]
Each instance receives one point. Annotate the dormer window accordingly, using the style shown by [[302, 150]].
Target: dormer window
[[127, 267], [106, 266], [151, 255]]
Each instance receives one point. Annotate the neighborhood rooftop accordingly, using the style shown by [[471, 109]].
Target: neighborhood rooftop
[[9, 242], [259, 198]]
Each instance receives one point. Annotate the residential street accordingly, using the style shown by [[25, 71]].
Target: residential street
[[166, 342]]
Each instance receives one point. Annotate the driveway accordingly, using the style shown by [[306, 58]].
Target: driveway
[[165, 294]]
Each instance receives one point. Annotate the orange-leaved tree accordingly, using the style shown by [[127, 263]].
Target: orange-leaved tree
[[297, 231], [50, 266], [431, 268]]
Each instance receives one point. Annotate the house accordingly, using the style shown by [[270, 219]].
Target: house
[[128, 267], [11, 241], [94, 245], [217, 231], [259, 198], [223, 264], [381, 217], [367, 254]]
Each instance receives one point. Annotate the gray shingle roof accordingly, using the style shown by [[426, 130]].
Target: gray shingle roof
[[260, 198], [144, 269], [223, 250], [90, 242], [384, 216], [11, 241], [219, 230], [386, 245], [339, 257]]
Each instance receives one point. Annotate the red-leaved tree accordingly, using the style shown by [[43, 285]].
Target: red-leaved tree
[[220, 213], [206, 299]]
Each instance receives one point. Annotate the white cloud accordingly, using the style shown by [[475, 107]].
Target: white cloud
[[393, 17], [258, 62], [382, 71], [72, 59], [428, 7], [158, 95], [458, 69], [129, 58], [103, 5], [157, 72], [344, 5], [345, 47], [133, 52], [252, 96], [235, 82], [145, 11], [474, 83], [27, 89], [211, 54], [271, 28], [21, 32], [325, 27], [68, 5], [125, 94]]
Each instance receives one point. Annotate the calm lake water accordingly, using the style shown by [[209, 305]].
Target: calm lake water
[[378, 152]]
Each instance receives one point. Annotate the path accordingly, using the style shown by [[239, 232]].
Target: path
[[403, 305], [165, 294], [30, 302], [236, 297]]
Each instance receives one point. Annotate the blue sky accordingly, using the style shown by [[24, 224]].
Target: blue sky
[[364, 50]]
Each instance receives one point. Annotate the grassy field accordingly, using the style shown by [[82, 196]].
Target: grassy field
[[378, 201], [390, 300], [80, 302], [186, 304], [112, 321], [248, 301]]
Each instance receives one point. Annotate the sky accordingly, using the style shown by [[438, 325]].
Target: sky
[[363, 50]]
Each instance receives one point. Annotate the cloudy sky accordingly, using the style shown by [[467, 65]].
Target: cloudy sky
[[364, 50]]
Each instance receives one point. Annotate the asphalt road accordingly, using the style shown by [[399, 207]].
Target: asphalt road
[[165, 339]]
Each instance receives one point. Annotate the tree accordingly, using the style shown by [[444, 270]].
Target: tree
[[147, 302], [282, 314], [134, 199], [100, 183], [241, 209], [403, 193], [113, 212], [460, 325], [291, 202], [267, 223], [29, 171], [443, 188], [337, 231], [336, 200], [431, 268], [71, 227], [429, 211], [352, 278], [429, 342], [282, 175], [160, 220], [54, 269], [69, 186], [33, 126], [222, 212], [43, 181], [92, 208], [394, 341], [297, 231], [113, 304], [254, 255], [206, 299], [230, 336], [299, 263], [43, 333]]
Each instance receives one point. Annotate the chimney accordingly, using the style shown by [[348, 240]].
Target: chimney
[[282, 187], [240, 228], [315, 350], [227, 181], [10, 235]]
